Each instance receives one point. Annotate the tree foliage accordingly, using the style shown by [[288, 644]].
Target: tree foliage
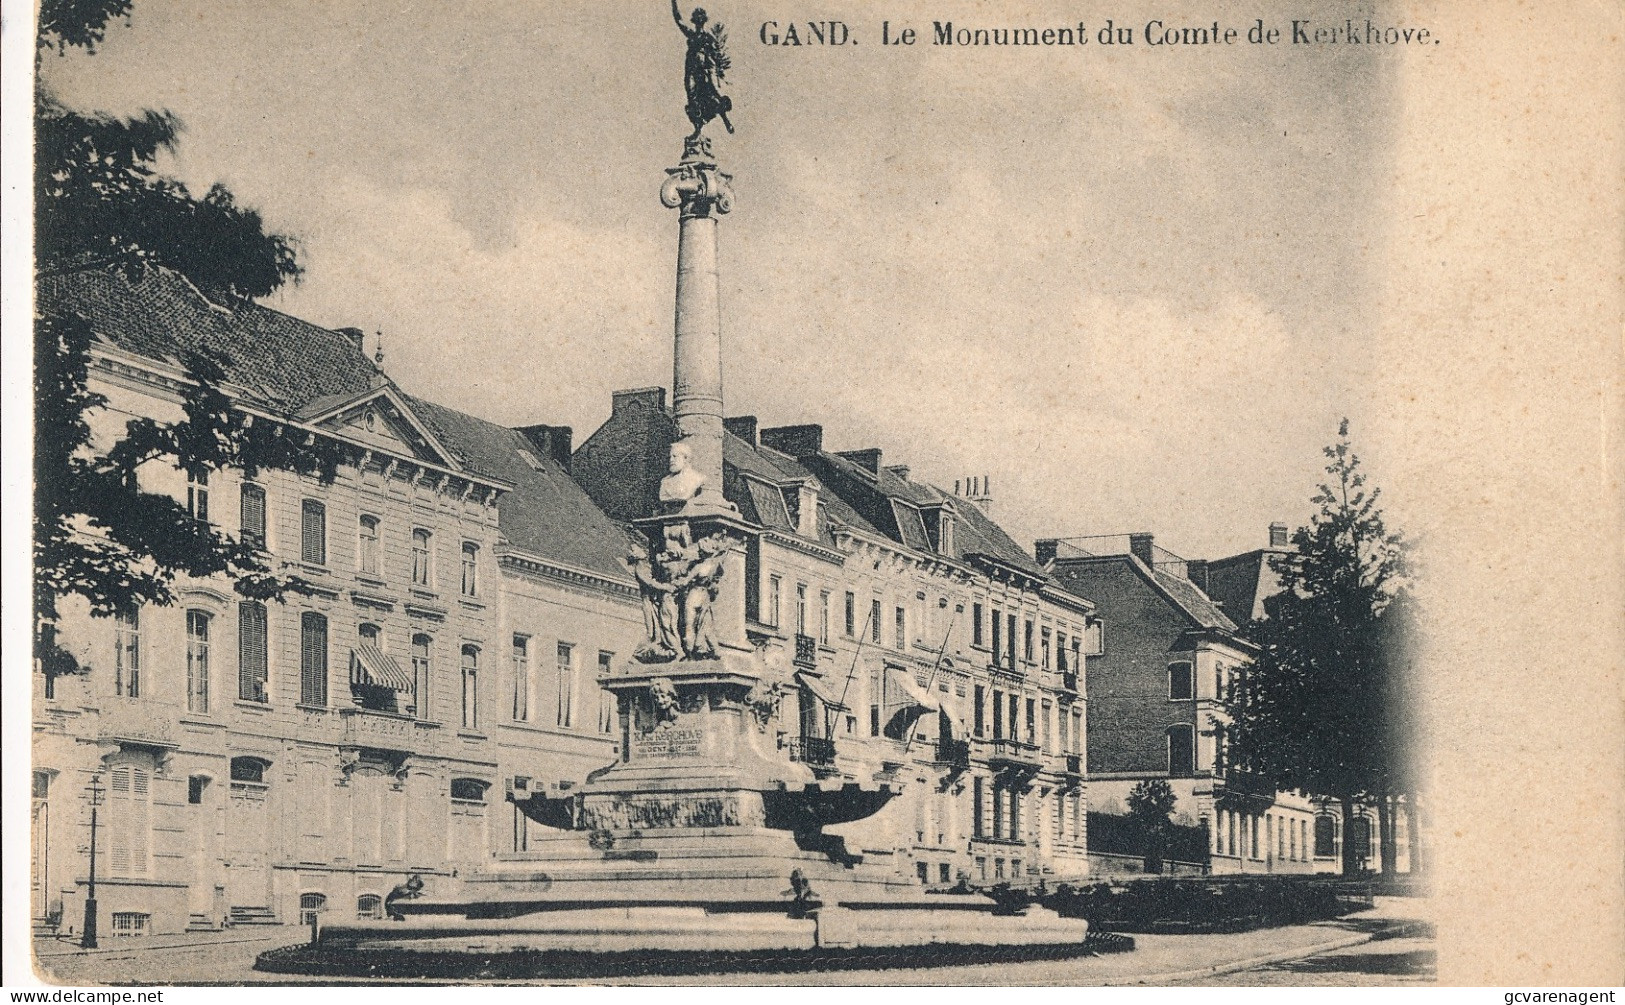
[[1150, 806], [1324, 707], [100, 202]]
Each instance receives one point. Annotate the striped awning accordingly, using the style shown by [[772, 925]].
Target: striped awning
[[901, 683], [822, 690], [370, 665]]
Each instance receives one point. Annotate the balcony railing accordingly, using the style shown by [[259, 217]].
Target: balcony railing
[[1069, 680], [806, 650], [812, 750], [1015, 753], [1074, 764]]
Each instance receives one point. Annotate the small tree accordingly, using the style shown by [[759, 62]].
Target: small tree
[[1317, 709], [1151, 806], [100, 203]]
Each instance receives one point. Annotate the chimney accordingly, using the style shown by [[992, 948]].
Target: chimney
[[868, 458], [806, 514], [646, 398], [550, 441], [1278, 535], [900, 470], [1139, 545], [976, 491], [744, 427], [1044, 550], [355, 335], [797, 441], [1196, 572]]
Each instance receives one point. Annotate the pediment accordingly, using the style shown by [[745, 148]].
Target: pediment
[[381, 419]]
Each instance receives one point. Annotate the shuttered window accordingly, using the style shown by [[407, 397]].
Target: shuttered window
[[197, 661], [251, 519], [312, 659], [313, 532], [253, 669], [129, 820]]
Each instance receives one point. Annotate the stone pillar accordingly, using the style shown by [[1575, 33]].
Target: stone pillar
[[701, 193]]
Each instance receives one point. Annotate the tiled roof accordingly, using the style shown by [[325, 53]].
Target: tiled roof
[[1241, 582], [289, 364], [280, 361], [1192, 600]]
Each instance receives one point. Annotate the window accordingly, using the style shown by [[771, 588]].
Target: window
[[1218, 749], [421, 645], [253, 660], [998, 637], [251, 515], [922, 871], [129, 820], [130, 923], [900, 618], [944, 873], [194, 789], [874, 701], [1179, 681], [1043, 648], [471, 568], [521, 678], [1359, 838], [976, 624], [197, 496], [1325, 837], [471, 687], [1060, 653], [1077, 731], [1062, 732], [1047, 712], [369, 907], [1181, 753], [801, 608], [978, 799], [370, 635], [248, 769], [469, 839], [313, 532], [979, 706], [998, 714], [823, 617], [567, 684], [311, 906], [312, 659], [606, 698], [1218, 681], [470, 790], [422, 559], [367, 546], [1010, 638], [1031, 735], [851, 614], [1026, 641], [774, 586], [127, 654], [874, 621], [197, 661]]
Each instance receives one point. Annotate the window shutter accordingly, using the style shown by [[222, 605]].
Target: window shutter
[[252, 656], [252, 515], [117, 832], [313, 660], [313, 525]]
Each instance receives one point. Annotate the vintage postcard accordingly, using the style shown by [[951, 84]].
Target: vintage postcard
[[925, 493]]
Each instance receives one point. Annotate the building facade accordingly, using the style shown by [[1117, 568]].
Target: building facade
[[1158, 687], [928, 648], [261, 762]]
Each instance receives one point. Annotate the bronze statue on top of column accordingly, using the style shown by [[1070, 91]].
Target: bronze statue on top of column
[[703, 69]]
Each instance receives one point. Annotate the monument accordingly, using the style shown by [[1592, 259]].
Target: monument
[[702, 834]]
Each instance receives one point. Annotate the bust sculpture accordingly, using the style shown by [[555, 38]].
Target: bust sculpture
[[683, 482]]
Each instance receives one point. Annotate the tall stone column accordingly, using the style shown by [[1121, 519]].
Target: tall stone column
[[701, 193]]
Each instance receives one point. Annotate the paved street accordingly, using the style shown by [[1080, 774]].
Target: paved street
[[1355, 951]]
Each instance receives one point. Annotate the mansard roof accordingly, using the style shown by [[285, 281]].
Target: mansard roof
[[292, 367], [1240, 583]]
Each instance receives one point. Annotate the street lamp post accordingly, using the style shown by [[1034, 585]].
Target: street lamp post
[[87, 938]]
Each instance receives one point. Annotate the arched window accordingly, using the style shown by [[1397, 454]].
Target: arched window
[[197, 661], [1179, 682], [311, 906], [422, 558], [367, 546], [421, 648], [369, 907], [253, 652], [1181, 751], [127, 654], [1325, 837], [249, 769], [471, 687], [251, 515], [471, 568]]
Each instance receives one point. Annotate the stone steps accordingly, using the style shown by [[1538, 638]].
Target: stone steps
[[246, 916]]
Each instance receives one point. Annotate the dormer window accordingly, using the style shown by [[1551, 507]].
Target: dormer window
[[945, 532]]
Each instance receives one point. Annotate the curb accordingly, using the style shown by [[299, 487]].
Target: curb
[[127, 948], [1301, 952]]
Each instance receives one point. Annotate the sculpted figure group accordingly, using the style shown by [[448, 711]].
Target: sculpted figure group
[[678, 586]]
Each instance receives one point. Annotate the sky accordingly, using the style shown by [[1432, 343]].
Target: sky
[[1133, 287]]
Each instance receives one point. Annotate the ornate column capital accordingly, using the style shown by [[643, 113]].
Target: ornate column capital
[[696, 185]]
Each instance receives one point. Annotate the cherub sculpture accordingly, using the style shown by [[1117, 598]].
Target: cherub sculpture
[[699, 590], [661, 642], [703, 69]]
